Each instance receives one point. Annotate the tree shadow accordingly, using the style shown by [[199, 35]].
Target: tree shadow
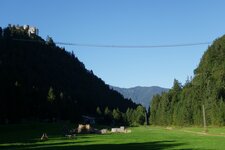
[[156, 145]]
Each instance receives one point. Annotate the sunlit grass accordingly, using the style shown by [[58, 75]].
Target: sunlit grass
[[16, 137]]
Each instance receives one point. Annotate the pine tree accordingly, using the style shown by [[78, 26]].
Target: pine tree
[[51, 95], [140, 115], [98, 111], [50, 41], [108, 115], [117, 116], [0, 32]]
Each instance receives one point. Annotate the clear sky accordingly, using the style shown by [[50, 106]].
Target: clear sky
[[126, 22]]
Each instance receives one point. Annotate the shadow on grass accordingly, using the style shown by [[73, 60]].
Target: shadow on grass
[[41, 145], [27, 133], [157, 145]]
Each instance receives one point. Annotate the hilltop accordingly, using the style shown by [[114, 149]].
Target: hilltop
[[40, 80]]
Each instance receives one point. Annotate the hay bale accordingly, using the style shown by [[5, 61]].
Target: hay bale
[[127, 131], [80, 128], [84, 128], [122, 128], [117, 130], [114, 130], [103, 131], [88, 127]]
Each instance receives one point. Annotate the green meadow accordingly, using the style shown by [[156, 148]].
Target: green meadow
[[27, 136]]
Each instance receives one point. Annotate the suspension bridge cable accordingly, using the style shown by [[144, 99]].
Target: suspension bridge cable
[[123, 46], [134, 46]]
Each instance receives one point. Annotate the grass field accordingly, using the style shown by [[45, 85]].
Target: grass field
[[26, 136]]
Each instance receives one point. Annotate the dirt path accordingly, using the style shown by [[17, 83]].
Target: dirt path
[[203, 133]]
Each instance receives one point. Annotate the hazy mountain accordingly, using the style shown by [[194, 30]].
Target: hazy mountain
[[141, 95]]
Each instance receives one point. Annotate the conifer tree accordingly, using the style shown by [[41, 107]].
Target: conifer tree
[[51, 95]]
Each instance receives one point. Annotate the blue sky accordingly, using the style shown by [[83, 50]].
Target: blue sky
[[126, 22]]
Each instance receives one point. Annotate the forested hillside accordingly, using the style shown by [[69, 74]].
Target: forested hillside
[[39, 80], [182, 105]]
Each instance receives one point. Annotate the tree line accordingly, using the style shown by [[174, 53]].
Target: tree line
[[182, 105], [132, 117]]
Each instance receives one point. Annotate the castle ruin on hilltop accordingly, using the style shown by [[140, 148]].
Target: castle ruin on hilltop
[[30, 30]]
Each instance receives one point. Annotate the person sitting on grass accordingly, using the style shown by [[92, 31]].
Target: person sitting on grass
[[44, 137]]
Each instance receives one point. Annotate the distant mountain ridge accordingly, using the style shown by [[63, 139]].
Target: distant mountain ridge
[[139, 94]]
